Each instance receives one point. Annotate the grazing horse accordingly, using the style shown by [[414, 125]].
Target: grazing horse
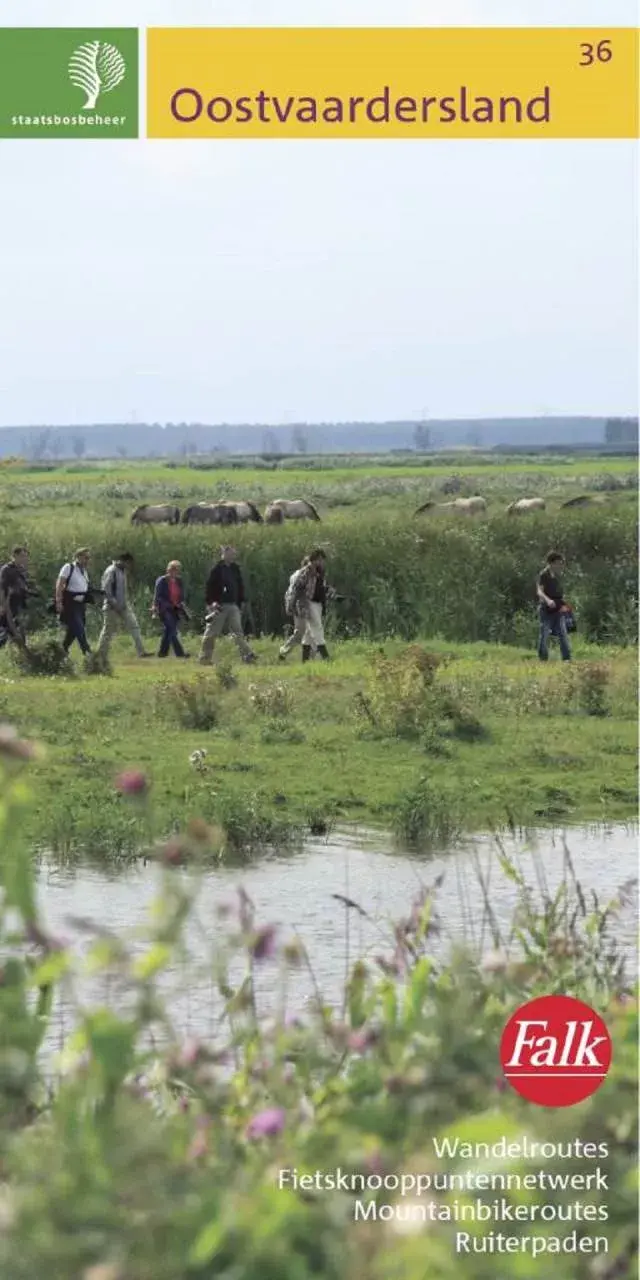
[[459, 506], [286, 509], [245, 511], [523, 505], [585, 500], [156, 515], [211, 513]]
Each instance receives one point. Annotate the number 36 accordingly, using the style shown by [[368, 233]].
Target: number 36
[[591, 53]]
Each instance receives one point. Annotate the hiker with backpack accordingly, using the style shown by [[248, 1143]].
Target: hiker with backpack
[[72, 594], [117, 611], [303, 608]]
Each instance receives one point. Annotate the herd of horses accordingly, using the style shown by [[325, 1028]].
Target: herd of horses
[[233, 513], [476, 505], [227, 513]]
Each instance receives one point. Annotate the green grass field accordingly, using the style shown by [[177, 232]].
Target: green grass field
[[531, 745], [333, 481]]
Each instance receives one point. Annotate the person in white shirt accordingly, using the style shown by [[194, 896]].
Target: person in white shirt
[[116, 608], [72, 591]]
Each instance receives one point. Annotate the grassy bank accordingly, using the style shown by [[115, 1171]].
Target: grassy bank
[[487, 737], [165, 1164]]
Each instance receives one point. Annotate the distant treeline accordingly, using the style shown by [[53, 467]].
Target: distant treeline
[[185, 439]]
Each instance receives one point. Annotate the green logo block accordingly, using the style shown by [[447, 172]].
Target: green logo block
[[69, 82]]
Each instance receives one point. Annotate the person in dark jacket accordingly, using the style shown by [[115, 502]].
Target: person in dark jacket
[[224, 596], [169, 606], [14, 592], [552, 608]]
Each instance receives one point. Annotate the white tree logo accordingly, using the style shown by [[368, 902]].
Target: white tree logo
[[96, 68]]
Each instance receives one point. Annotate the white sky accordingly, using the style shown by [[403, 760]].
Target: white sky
[[281, 281]]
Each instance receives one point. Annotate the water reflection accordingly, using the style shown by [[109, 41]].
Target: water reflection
[[298, 892]]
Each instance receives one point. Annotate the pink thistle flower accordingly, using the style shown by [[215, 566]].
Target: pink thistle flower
[[363, 1039], [266, 1124], [263, 943], [190, 1053], [173, 853], [132, 782]]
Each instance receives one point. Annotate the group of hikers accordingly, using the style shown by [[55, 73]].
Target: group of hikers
[[305, 603]]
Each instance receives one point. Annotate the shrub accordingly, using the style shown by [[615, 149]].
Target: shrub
[[592, 687], [250, 824], [404, 700], [274, 700], [193, 703], [397, 701], [45, 657], [224, 674], [427, 819]]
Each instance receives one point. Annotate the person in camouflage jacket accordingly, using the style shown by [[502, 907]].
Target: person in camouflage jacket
[[300, 593]]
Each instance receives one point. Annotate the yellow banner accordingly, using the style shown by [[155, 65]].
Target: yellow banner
[[426, 82]]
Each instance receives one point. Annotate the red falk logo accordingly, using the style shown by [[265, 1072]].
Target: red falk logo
[[555, 1051]]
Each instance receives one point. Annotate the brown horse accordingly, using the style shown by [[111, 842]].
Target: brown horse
[[585, 500], [210, 513], [156, 515], [289, 509], [245, 511]]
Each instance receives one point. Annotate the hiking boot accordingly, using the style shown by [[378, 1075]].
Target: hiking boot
[[250, 657], [145, 655], [306, 652], [322, 650]]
